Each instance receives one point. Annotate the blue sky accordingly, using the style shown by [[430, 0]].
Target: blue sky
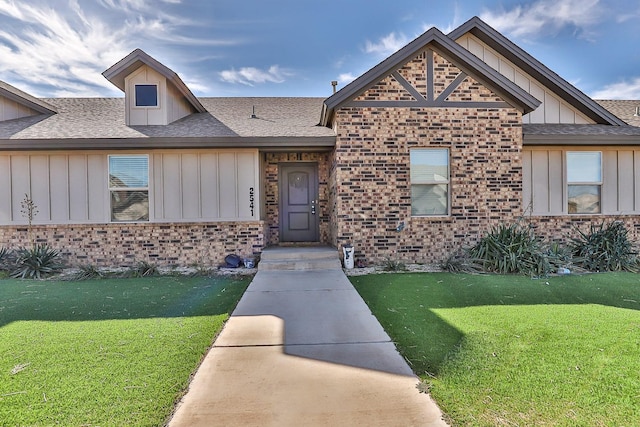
[[297, 47]]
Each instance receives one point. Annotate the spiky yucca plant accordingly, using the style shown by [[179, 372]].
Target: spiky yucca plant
[[605, 247], [5, 255], [87, 272], [511, 248], [36, 262], [143, 269]]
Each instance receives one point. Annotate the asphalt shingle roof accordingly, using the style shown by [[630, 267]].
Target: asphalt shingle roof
[[230, 118], [274, 116], [624, 109], [577, 130], [95, 118]]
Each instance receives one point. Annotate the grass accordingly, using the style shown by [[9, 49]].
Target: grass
[[106, 352], [511, 351]]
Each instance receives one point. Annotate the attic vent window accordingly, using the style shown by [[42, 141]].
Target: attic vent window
[[146, 95]]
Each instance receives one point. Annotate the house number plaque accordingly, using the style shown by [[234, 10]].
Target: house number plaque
[[251, 198]]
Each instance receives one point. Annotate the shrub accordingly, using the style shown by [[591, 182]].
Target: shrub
[[606, 247], [511, 249], [461, 262], [393, 265], [143, 269], [87, 272], [6, 260], [35, 263]]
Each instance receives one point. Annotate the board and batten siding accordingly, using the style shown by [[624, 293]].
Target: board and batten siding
[[211, 186], [10, 110], [172, 105], [552, 110], [72, 188], [545, 180]]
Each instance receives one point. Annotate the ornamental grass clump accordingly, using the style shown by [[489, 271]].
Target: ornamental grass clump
[[461, 262], [6, 261], [606, 247], [511, 249], [5, 258], [143, 269], [87, 272], [36, 262]]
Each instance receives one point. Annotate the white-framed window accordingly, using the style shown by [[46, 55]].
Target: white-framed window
[[584, 182], [129, 187], [429, 181], [146, 95]]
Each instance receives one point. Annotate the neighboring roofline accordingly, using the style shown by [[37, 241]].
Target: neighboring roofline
[[127, 65], [575, 140], [462, 58], [269, 143], [15, 94], [537, 70], [590, 135]]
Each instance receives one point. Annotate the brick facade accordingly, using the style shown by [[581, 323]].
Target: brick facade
[[371, 165], [562, 228], [364, 183], [374, 191], [163, 244]]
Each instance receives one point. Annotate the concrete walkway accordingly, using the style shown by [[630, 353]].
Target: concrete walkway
[[303, 349]]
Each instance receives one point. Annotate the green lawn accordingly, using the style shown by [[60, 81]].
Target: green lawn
[[109, 352], [508, 350]]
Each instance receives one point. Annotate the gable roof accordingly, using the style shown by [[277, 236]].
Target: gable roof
[[23, 98], [462, 58], [537, 70], [127, 65]]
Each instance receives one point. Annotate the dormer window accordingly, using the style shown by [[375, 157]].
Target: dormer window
[[146, 95]]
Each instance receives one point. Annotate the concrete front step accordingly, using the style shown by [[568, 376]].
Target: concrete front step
[[299, 258]]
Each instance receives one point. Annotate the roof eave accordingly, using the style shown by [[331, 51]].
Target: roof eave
[[491, 78], [14, 94], [466, 61], [576, 140], [536, 69], [276, 143]]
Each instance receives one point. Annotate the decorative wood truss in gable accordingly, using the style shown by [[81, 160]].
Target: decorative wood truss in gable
[[429, 80]]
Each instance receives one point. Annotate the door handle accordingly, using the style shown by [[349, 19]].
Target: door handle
[[313, 207]]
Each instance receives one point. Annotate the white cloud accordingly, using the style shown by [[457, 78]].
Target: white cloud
[[546, 17], [135, 4], [52, 50], [387, 44], [346, 78], [458, 18], [250, 75], [64, 50], [620, 90], [197, 87], [450, 27], [628, 15]]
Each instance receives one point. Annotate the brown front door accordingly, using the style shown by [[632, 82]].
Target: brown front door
[[298, 202]]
